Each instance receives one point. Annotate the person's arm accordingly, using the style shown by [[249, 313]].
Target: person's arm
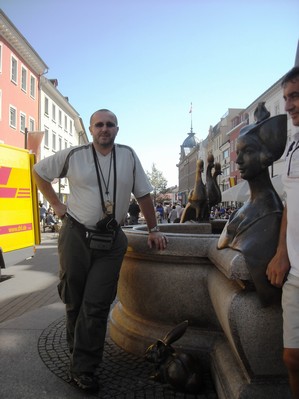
[[147, 208], [48, 192], [279, 265]]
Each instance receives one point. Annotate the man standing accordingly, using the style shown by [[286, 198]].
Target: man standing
[[91, 244], [285, 264], [134, 211], [42, 213]]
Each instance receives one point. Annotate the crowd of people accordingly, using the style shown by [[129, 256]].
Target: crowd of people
[[172, 212]]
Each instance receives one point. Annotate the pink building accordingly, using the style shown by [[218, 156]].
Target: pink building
[[20, 71]]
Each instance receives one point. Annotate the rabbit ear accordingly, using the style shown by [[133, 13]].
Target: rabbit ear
[[176, 333]]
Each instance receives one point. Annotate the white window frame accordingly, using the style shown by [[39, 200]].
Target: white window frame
[[32, 86], [60, 117], [46, 136], [226, 153], [65, 123], [22, 122], [226, 171], [24, 81], [31, 124], [53, 112], [54, 144], [46, 105], [12, 124], [14, 69]]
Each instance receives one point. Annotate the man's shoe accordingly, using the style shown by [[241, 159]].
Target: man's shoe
[[88, 382]]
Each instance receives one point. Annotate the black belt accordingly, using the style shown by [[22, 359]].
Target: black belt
[[75, 222], [81, 226]]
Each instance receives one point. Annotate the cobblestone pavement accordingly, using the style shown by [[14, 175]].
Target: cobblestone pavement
[[121, 374]]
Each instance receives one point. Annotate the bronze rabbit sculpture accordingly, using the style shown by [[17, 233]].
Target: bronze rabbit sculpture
[[180, 370]]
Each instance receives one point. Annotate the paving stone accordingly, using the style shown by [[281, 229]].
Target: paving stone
[[123, 375]]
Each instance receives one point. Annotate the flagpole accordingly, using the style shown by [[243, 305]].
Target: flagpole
[[190, 112]]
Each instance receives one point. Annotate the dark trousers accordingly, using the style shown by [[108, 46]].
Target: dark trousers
[[88, 284]]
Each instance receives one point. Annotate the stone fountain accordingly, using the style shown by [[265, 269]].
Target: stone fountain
[[233, 334]]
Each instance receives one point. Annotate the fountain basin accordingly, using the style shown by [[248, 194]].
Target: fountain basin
[[191, 280]]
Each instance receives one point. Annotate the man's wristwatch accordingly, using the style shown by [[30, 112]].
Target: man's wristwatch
[[154, 229]]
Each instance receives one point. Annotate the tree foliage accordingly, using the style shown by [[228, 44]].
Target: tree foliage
[[157, 180]]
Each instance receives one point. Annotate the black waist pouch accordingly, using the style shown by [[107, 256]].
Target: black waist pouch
[[100, 241]]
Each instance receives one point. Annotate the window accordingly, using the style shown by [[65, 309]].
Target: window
[[225, 154], [46, 106], [24, 79], [14, 70], [32, 86], [60, 143], [53, 113], [235, 121], [60, 118], [65, 144], [65, 122], [53, 141], [31, 124], [225, 172], [12, 117], [71, 127], [22, 122], [46, 137]]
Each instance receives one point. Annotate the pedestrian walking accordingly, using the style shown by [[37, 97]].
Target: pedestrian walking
[[134, 211], [173, 215]]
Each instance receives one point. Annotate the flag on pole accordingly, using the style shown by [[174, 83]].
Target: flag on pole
[[190, 112]]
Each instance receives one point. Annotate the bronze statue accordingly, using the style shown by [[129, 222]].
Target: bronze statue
[[213, 190], [254, 228], [180, 370], [196, 208], [203, 196]]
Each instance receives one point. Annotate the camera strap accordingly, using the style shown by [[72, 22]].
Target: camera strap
[[98, 170]]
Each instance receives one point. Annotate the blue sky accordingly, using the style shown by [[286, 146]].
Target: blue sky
[[148, 60]]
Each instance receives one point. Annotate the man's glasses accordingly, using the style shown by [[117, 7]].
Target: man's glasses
[[99, 125]]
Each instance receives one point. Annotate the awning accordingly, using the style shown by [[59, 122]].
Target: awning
[[241, 192], [237, 193]]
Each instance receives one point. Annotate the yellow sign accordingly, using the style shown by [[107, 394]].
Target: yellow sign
[[19, 222]]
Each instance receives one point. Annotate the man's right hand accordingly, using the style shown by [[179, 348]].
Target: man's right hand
[[278, 269]]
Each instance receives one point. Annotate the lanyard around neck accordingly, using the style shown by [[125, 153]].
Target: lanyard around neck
[[98, 170]]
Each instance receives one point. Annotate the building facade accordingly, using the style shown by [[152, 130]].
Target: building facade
[[33, 113], [20, 71], [60, 124], [221, 142]]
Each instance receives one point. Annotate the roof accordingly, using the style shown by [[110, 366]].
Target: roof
[[191, 141]]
